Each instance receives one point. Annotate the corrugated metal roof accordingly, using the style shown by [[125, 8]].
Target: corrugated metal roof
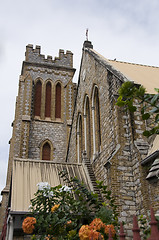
[[148, 76], [28, 173]]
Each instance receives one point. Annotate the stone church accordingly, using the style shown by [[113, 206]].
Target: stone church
[[77, 127]]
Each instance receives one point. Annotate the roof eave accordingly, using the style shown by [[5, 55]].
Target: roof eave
[[150, 158]]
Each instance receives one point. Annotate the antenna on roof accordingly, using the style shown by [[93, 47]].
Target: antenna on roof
[[87, 34]]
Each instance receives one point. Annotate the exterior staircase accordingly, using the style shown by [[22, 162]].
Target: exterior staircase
[[89, 168]]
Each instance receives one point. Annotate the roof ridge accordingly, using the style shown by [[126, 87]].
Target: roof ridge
[[138, 64]]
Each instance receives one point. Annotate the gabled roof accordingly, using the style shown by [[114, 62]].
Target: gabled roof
[[28, 173], [148, 76]]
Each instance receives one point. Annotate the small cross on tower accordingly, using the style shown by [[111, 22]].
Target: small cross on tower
[[87, 34]]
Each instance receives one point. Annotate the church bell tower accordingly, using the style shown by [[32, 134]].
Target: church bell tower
[[44, 108]]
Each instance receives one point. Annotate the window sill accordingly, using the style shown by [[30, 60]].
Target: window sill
[[49, 120]]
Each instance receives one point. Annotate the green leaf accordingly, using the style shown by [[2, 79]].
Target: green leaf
[[127, 89], [147, 97], [143, 110], [145, 116], [132, 108], [140, 92], [154, 110], [146, 133], [157, 89], [120, 103], [157, 131], [154, 99], [157, 118], [153, 130]]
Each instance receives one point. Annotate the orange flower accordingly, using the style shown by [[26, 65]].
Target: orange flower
[[50, 238], [55, 207], [87, 233], [69, 222], [106, 229], [94, 235], [28, 225], [84, 232], [97, 224], [92, 231]]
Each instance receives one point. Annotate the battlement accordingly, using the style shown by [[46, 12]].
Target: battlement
[[35, 56]]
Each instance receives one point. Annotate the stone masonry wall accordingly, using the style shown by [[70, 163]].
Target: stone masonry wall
[[122, 144], [35, 56], [56, 133]]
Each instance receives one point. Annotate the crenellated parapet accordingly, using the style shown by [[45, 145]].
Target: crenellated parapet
[[34, 56]]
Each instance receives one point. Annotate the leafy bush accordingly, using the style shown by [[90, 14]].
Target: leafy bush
[[149, 103], [61, 211]]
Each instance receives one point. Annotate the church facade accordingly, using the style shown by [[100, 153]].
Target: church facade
[[111, 137], [59, 125]]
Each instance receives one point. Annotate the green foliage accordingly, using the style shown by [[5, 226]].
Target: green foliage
[[105, 214], [128, 92], [144, 226], [157, 219], [110, 202], [61, 211]]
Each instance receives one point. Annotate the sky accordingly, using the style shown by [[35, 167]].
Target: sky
[[127, 30]]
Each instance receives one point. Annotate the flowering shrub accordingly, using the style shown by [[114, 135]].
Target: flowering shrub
[[87, 233], [71, 212], [96, 224], [43, 186], [107, 227], [95, 230], [28, 225], [55, 207]]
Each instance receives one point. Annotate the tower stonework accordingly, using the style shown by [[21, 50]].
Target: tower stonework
[[40, 131]]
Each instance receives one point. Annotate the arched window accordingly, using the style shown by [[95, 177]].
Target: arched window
[[79, 139], [37, 99], [46, 151], [58, 101], [87, 131], [96, 121], [48, 100]]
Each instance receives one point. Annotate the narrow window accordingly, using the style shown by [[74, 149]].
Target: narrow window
[[87, 131], [46, 152], [58, 101], [37, 99], [96, 122], [79, 139], [48, 100]]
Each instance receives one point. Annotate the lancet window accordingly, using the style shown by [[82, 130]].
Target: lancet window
[[87, 132], [79, 138], [96, 121], [48, 100], [58, 101], [37, 99]]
